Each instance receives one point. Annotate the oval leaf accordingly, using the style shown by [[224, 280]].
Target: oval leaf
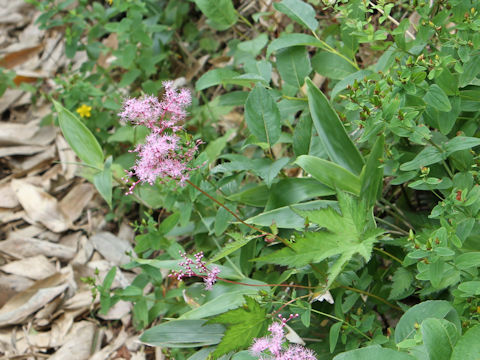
[[298, 11], [262, 116], [220, 13], [373, 353], [468, 346], [332, 66], [437, 98]]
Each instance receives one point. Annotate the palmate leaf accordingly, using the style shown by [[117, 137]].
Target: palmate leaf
[[244, 324], [345, 234]]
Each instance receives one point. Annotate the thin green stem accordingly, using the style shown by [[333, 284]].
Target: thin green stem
[[284, 241], [372, 295], [333, 51], [388, 254], [393, 226], [245, 20]]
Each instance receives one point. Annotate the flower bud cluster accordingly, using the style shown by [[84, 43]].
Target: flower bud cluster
[[197, 267]]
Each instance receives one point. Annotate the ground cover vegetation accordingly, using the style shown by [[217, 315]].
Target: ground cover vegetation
[[302, 176]]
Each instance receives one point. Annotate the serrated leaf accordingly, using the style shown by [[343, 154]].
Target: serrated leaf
[[402, 280], [239, 241], [243, 325], [346, 233]]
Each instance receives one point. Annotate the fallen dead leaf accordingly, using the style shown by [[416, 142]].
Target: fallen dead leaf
[[36, 268], [27, 247], [73, 204], [79, 343], [112, 247], [40, 206]]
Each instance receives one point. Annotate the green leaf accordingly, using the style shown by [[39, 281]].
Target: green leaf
[[240, 240], [333, 335], [103, 182], [439, 309], [468, 260], [472, 288], [253, 196], [372, 175], [332, 65], [286, 217], [293, 64], [334, 138], [330, 174], [220, 13], [183, 334], [215, 77], [254, 46], [224, 297], [439, 337], [470, 71], [402, 280], [298, 11], [80, 139], [345, 235], [243, 325], [262, 116], [437, 98], [289, 40], [302, 135], [468, 346], [374, 352], [222, 220], [460, 143], [349, 80], [270, 171], [428, 156]]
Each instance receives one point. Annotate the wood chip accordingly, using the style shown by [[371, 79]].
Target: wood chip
[[40, 206]]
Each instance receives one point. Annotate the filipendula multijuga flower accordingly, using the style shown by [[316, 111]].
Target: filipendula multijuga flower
[[272, 347], [197, 267], [164, 155]]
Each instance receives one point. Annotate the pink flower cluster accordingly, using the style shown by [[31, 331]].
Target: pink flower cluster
[[163, 155], [274, 345], [196, 267]]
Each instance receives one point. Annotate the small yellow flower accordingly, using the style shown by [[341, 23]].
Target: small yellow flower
[[84, 111], [110, 2]]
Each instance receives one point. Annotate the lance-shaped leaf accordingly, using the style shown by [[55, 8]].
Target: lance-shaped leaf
[[338, 145], [372, 175]]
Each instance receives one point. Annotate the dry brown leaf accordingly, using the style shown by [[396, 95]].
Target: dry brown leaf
[[105, 353], [40, 206], [45, 157], [8, 198], [11, 285], [36, 268], [111, 247], [73, 204], [27, 247], [79, 343], [84, 252], [25, 303], [67, 158], [117, 311], [20, 150]]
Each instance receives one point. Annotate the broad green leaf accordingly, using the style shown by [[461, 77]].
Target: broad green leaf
[[254, 46], [215, 77], [332, 65], [293, 64], [468, 260], [302, 135], [428, 156], [439, 337], [372, 175], [103, 182], [222, 220], [220, 13], [437, 98], [224, 297], [414, 316], [262, 116], [468, 346], [243, 325], [80, 139], [289, 40], [253, 196], [470, 99], [338, 145], [286, 217], [470, 287], [460, 143], [373, 352], [240, 240], [270, 171], [330, 174], [345, 235], [470, 71], [298, 11], [183, 334]]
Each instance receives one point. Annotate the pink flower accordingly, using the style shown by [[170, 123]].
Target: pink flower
[[274, 343], [197, 267], [163, 156]]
